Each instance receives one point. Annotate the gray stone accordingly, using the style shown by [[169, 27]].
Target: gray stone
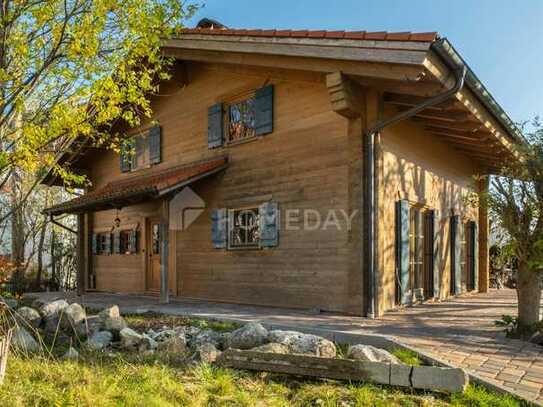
[[9, 302], [248, 336], [99, 340], [439, 378], [52, 324], [23, 340], [53, 308], [29, 317], [163, 335], [400, 375], [130, 339], [207, 353], [114, 325], [371, 354], [72, 316], [71, 354], [304, 344], [537, 338], [177, 344], [205, 336], [272, 348], [147, 343], [93, 324], [109, 312]]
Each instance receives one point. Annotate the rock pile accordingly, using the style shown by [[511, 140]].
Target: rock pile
[[108, 331]]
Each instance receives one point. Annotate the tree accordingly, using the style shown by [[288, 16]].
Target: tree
[[515, 199], [72, 69]]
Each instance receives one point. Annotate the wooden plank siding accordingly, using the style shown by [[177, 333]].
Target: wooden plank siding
[[311, 161]]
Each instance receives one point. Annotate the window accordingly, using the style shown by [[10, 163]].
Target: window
[[141, 151], [124, 241], [103, 243], [244, 228], [155, 236], [241, 120]]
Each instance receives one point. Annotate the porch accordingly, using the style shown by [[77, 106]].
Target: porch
[[459, 331]]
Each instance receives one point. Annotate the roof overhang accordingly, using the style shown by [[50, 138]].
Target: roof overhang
[[403, 65], [140, 188]]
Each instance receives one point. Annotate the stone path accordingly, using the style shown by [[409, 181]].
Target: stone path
[[459, 332]]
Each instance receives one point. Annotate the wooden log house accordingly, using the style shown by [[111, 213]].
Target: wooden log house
[[269, 132]]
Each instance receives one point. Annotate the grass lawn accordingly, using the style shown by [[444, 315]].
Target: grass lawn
[[125, 380]]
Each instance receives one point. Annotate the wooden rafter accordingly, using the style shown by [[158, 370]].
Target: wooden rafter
[[413, 99]]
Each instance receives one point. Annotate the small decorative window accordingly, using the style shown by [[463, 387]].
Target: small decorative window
[[244, 228], [103, 242], [241, 120], [155, 236]]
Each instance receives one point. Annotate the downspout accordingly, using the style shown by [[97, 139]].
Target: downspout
[[370, 218]]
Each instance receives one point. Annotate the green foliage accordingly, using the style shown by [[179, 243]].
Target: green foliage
[[221, 326], [78, 69], [408, 357], [100, 380]]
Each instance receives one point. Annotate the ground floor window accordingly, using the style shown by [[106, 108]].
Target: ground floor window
[[103, 243], [244, 228]]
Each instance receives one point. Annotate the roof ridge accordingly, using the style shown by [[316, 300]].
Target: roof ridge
[[318, 34]]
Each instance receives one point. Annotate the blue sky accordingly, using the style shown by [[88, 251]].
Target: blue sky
[[501, 40]]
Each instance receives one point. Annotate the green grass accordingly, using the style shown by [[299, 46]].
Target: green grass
[[125, 380], [408, 357]]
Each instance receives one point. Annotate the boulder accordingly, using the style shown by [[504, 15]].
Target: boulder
[[114, 325], [52, 324], [177, 344], [71, 354], [23, 340], [29, 317], [72, 316], [272, 348], [130, 339], [305, 344], [99, 340], [371, 354], [165, 335], [109, 312], [537, 338], [207, 352], [248, 336], [205, 336], [53, 308], [92, 324], [9, 302], [147, 343]]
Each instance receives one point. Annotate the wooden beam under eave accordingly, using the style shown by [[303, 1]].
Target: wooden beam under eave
[[345, 95], [414, 99]]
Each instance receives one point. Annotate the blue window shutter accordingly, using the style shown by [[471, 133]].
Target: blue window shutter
[[133, 241], [402, 251], [433, 250], [107, 249], [215, 126], [456, 270], [117, 242], [269, 224], [125, 158], [94, 244], [264, 110], [219, 228], [154, 140], [474, 255]]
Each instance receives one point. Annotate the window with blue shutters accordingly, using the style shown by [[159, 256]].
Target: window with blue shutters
[[142, 151], [242, 118], [246, 228]]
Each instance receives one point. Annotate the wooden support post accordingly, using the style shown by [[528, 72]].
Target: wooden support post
[[484, 266], [164, 256], [80, 254]]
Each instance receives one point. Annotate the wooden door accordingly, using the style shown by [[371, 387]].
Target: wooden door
[[153, 256]]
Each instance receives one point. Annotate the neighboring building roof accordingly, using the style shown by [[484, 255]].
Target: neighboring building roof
[[336, 35], [137, 188]]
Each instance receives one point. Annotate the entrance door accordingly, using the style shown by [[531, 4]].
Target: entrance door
[[153, 256]]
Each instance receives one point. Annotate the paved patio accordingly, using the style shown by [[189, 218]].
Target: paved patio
[[458, 332]]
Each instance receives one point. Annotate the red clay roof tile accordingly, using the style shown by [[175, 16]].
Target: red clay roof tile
[[143, 186], [353, 35]]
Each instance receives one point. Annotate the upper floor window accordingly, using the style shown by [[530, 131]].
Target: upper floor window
[[241, 120], [141, 151]]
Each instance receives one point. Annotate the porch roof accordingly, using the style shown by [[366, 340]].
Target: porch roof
[[138, 188]]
